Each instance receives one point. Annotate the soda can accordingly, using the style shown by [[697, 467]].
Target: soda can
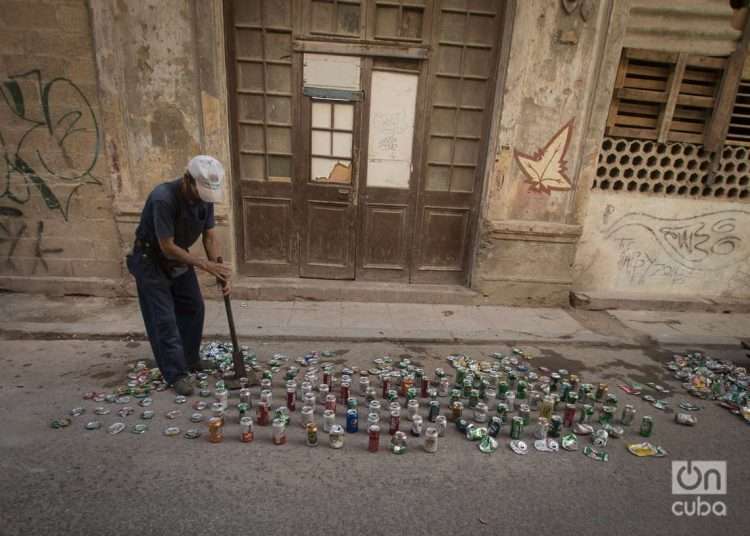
[[525, 413], [424, 387], [373, 418], [308, 399], [370, 395], [395, 421], [496, 424], [573, 397], [245, 396], [364, 384], [547, 407], [542, 428], [569, 416], [502, 389], [392, 395], [510, 399], [480, 412], [565, 389], [262, 415], [434, 411], [647, 426], [411, 393], [685, 419], [352, 421], [406, 383], [331, 402], [416, 426], [601, 436], [398, 443], [555, 426], [587, 413], [466, 387], [344, 391], [601, 391], [323, 391], [473, 398], [431, 440], [373, 441], [329, 420], [461, 425], [628, 414], [215, 430], [606, 414], [336, 437], [611, 399], [266, 396], [521, 387], [279, 432], [441, 423], [246, 429], [502, 410], [554, 382], [457, 410], [307, 415], [242, 409], [386, 381], [460, 375], [516, 427], [412, 409], [291, 398], [312, 434], [351, 403]]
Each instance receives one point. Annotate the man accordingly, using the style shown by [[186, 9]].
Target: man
[[175, 215]]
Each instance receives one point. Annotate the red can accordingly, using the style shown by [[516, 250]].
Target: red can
[[425, 387], [331, 402], [291, 399], [394, 424], [344, 392], [262, 415], [326, 378], [374, 434], [569, 416], [386, 386]]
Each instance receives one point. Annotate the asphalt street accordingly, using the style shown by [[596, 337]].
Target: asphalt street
[[74, 481]]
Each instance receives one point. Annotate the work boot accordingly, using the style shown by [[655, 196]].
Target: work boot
[[182, 386], [201, 366]]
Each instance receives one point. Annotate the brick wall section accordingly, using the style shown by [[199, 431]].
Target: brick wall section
[[56, 215]]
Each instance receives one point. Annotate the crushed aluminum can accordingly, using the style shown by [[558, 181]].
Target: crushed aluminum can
[[569, 442], [600, 438], [646, 449], [196, 417], [125, 411], [475, 433], [122, 400], [110, 399], [179, 399], [488, 445], [660, 405], [76, 412], [582, 429], [99, 397], [145, 402], [629, 389], [93, 425], [62, 422], [173, 414], [594, 454], [649, 398], [147, 414], [613, 431], [139, 428], [192, 433], [546, 445], [171, 431], [101, 410], [116, 428], [685, 419], [200, 405], [519, 447], [687, 406]]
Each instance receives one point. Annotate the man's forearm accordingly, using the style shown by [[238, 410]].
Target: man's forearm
[[211, 245], [173, 251]]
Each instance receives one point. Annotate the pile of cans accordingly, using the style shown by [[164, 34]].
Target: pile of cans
[[484, 401], [713, 379]]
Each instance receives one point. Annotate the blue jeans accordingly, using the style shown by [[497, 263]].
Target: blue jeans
[[173, 312]]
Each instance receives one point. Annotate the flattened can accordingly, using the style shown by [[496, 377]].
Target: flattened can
[[516, 427]]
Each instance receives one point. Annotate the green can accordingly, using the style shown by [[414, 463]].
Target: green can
[[467, 387], [502, 411], [611, 400], [555, 426], [587, 412], [521, 390], [565, 389], [460, 375], [512, 377], [411, 393], [392, 395], [502, 388], [516, 427], [647, 426], [242, 407], [606, 415], [455, 396], [473, 398], [525, 413], [351, 403], [461, 425]]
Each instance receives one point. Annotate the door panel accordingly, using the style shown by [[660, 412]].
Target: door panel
[[388, 171], [466, 38], [260, 69], [329, 236]]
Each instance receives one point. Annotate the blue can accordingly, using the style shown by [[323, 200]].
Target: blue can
[[352, 421]]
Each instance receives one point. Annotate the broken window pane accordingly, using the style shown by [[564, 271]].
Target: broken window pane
[[331, 170]]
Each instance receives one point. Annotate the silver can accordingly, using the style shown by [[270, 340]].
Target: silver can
[[441, 423], [329, 420], [364, 384], [416, 426], [308, 415], [323, 390], [412, 409], [431, 440]]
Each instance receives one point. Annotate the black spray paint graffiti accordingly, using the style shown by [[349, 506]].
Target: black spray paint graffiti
[[49, 140], [709, 241], [13, 234], [641, 266]]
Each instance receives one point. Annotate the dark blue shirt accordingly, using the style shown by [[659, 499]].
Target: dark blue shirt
[[167, 214]]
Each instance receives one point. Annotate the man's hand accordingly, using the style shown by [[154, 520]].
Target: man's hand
[[226, 287], [222, 272]]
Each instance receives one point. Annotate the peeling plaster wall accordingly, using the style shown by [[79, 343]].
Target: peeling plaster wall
[[550, 79], [57, 233], [655, 246]]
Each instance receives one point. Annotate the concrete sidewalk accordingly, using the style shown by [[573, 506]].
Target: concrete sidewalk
[[36, 316]]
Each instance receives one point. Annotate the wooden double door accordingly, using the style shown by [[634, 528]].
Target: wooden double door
[[350, 164]]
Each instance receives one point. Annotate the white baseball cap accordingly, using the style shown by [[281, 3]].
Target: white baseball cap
[[209, 177]]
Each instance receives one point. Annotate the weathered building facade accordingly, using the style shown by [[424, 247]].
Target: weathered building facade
[[523, 150]]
